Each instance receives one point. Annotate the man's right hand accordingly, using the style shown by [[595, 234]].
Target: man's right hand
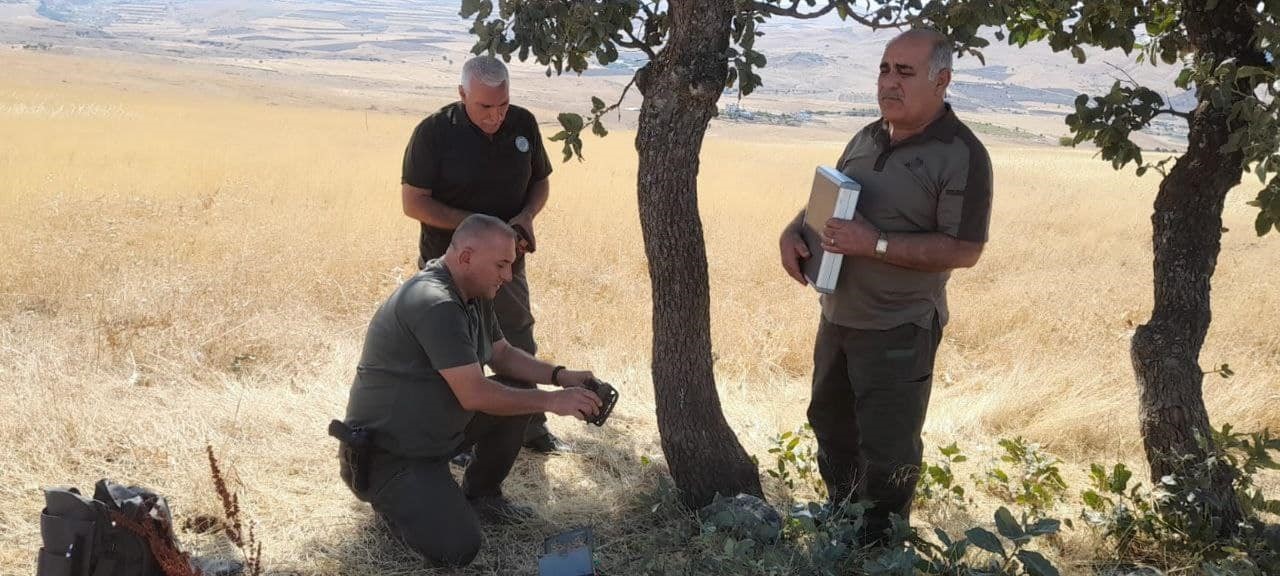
[[794, 252], [577, 402]]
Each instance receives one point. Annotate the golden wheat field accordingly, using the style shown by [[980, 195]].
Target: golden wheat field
[[188, 265]]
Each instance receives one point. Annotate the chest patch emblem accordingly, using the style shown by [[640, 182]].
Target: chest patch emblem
[[522, 144]]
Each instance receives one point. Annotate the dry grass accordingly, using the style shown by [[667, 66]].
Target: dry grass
[[180, 268]]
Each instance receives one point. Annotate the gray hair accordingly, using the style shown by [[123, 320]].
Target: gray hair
[[478, 226], [487, 70], [939, 48]]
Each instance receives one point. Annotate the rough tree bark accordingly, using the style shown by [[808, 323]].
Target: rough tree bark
[[680, 91], [1187, 234]]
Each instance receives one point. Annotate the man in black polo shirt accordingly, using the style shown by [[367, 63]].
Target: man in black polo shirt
[[482, 155], [923, 211], [420, 387]]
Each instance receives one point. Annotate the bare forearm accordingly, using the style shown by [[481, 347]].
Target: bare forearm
[[479, 394], [516, 363], [536, 200], [501, 400], [929, 252], [421, 206]]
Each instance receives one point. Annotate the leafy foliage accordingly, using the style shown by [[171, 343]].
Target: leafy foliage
[[795, 461], [1160, 527], [565, 35], [938, 481], [1032, 481], [1172, 523]]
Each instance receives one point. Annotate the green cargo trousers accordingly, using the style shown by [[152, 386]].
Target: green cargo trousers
[[425, 508], [870, 395]]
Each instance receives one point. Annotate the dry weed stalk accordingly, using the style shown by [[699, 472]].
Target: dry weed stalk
[[232, 524], [173, 561]]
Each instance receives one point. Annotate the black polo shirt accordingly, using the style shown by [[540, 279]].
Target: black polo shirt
[[467, 169]]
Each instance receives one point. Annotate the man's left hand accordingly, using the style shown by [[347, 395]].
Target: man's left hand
[[574, 378], [525, 221], [854, 237]]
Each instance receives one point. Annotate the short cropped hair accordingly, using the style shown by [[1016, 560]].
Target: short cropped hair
[[487, 70], [477, 226]]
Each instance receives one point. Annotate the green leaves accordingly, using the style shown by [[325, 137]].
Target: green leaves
[[1115, 482], [1038, 483], [796, 462], [1268, 205], [1007, 525], [1093, 500], [1251, 71], [985, 540], [470, 9], [1109, 120], [744, 59], [571, 135], [571, 122], [564, 35], [1044, 527], [1036, 564], [573, 36], [1118, 480], [950, 556], [938, 483], [1171, 519]]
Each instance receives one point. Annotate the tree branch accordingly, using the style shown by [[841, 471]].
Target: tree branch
[[1126, 74], [620, 98], [794, 12], [636, 44], [1171, 112], [899, 24], [648, 11]]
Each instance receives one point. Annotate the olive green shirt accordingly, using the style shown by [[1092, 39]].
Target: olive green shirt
[[424, 327], [936, 181]]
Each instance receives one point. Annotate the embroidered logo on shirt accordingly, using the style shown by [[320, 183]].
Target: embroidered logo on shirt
[[522, 144]]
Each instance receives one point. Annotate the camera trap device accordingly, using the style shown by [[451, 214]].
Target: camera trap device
[[608, 398]]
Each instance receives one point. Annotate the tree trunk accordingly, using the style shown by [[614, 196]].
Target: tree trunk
[[1187, 233], [680, 91]]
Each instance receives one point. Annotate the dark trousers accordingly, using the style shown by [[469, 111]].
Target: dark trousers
[[870, 394], [425, 508], [515, 317]]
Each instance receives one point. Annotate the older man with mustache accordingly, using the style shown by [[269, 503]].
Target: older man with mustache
[[923, 211]]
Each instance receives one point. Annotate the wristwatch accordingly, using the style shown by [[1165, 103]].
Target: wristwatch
[[882, 245]]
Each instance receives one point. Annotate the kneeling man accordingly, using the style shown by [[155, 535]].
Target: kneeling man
[[421, 391]]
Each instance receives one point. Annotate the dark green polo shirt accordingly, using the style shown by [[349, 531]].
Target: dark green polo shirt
[[424, 327], [936, 181], [467, 169]]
